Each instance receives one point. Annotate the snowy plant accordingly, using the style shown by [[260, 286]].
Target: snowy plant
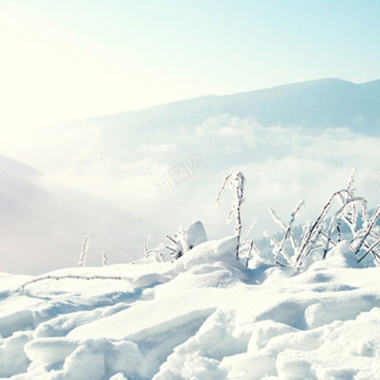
[[234, 180], [82, 257], [279, 247], [104, 259], [326, 231], [318, 236]]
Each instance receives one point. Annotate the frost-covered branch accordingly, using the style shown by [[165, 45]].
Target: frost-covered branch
[[279, 247]]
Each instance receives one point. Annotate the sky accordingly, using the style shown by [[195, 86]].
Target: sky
[[68, 60]]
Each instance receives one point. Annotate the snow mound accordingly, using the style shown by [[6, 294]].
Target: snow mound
[[204, 316]]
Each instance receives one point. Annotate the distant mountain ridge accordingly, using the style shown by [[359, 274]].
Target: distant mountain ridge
[[324, 103]]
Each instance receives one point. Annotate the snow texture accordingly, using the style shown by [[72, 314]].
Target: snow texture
[[204, 316]]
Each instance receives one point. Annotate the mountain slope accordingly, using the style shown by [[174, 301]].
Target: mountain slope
[[42, 228]]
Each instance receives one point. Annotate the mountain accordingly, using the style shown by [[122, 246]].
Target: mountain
[[325, 103], [237, 128], [43, 227]]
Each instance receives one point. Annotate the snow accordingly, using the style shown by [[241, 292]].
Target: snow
[[194, 234], [203, 316]]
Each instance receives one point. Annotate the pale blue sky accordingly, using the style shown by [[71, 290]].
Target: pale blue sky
[[64, 60]]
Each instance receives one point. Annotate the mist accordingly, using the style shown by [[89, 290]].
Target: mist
[[89, 181]]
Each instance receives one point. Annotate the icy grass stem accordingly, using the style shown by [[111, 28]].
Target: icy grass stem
[[82, 257]]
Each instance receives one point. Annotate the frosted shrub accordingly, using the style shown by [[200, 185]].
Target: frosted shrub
[[326, 229]]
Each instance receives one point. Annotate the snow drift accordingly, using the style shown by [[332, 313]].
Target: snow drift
[[204, 316]]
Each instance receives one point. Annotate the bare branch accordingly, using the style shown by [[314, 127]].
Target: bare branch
[[249, 229], [171, 239]]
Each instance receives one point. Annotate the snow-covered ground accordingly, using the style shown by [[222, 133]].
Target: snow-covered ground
[[203, 316]]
